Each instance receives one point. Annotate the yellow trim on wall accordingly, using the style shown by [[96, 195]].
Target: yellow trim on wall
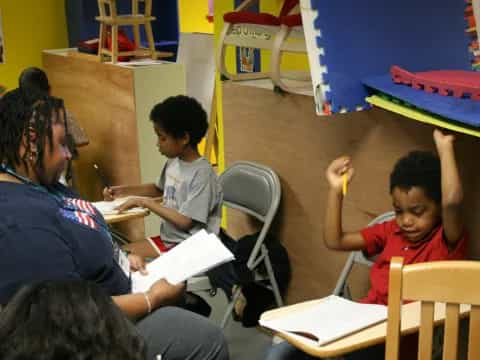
[[30, 26], [192, 16]]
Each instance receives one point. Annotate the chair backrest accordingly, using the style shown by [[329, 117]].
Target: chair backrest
[[254, 189], [288, 6], [450, 282], [108, 8], [357, 257]]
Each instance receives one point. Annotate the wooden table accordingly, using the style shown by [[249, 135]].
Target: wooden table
[[364, 338]]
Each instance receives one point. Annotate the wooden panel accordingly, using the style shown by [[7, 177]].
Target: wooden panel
[[426, 331], [474, 334], [282, 131], [450, 346], [101, 97], [448, 281]]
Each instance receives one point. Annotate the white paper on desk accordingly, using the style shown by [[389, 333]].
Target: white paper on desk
[[329, 320], [195, 255], [108, 207]]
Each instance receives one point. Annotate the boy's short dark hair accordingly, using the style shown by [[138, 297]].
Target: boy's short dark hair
[[180, 115], [34, 83], [421, 169]]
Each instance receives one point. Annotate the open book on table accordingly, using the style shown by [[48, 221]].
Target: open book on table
[[109, 207], [195, 255], [330, 319]]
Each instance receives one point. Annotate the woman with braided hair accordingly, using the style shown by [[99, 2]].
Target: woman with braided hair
[[48, 233]]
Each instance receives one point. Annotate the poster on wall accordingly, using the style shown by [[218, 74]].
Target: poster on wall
[[2, 44]]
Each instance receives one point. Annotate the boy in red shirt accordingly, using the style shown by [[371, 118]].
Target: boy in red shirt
[[426, 195]]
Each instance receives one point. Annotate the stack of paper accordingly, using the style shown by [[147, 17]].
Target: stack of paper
[[193, 256], [332, 318]]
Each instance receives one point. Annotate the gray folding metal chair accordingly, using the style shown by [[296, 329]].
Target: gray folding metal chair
[[253, 189], [357, 257]]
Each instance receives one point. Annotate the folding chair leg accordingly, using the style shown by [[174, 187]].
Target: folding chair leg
[[271, 276], [119, 237], [230, 306]]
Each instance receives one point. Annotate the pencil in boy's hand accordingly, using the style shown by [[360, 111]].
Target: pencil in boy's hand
[[344, 185], [100, 175]]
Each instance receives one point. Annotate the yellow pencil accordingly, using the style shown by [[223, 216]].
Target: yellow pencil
[[345, 182]]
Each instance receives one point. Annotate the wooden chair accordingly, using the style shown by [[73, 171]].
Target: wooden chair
[[109, 18], [450, 282], [279, 34]]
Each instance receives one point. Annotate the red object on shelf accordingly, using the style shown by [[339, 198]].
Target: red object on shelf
[[458, 83], [124, 43]]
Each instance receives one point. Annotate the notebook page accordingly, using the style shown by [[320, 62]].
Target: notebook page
[[197, 254], [108, 207], [333, 318]]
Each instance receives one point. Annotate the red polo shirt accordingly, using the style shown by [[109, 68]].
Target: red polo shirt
[[386, 240]]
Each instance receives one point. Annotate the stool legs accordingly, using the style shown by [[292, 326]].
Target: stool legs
[[101, 40], [151, 42], [136, 36], [114, 44]]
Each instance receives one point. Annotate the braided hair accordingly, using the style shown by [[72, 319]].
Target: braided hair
[[20, 119]]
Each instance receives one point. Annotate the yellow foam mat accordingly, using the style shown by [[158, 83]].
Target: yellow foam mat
[[416, 114]]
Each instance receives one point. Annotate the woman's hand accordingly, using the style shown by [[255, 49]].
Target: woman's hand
[[336, 170], [164, 293], [137, 263]]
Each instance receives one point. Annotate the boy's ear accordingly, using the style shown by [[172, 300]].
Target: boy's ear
[[186, 139]]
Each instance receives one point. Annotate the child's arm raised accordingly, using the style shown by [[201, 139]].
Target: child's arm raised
[[452, 191], [334, 236]]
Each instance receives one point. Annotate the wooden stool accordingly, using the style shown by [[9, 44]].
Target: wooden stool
[[110, 18]]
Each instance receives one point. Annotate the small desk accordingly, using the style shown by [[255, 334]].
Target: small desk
[[364, 338], [112, 219]]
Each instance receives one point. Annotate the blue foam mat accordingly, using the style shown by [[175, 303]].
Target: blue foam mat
[[464, 110], [362, 38]]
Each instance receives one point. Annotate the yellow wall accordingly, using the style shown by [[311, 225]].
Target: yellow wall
[[192, 14], [29, 26]]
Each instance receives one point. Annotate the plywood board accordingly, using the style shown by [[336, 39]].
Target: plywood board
[[283, 132]]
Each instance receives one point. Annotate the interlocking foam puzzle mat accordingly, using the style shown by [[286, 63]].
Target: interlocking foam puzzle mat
[[463, 110], [363, 38]]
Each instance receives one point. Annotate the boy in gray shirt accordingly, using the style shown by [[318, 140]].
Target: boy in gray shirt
[[191, 193]]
